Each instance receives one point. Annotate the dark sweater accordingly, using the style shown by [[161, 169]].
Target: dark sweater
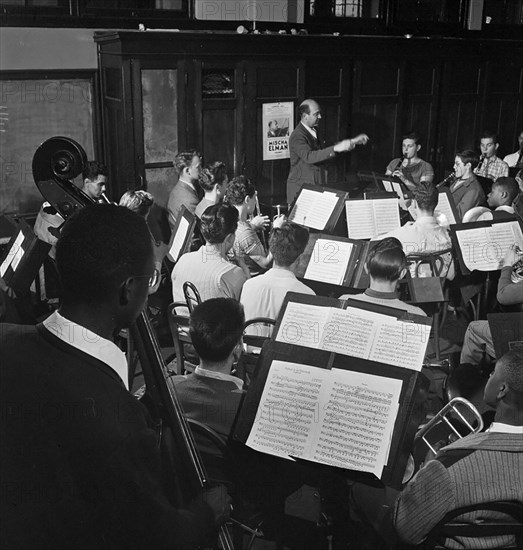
[[80, 466]]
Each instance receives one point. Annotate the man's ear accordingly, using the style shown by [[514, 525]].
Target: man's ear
[[496, 147], [125, 292], [502, 391], [418, 147], [366, 268]]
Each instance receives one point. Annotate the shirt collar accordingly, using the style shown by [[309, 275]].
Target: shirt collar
[[84, 340], [188, 183], [377, 294], [499, 427], [311, 131], [206, 373]]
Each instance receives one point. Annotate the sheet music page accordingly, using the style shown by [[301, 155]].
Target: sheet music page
[[303, 205], [397, 188], [17, 250], [357, 421], [17, 244], [483, 248], [179, 239], [303, 324], [329, 260], [360, 219], [386, 215], [288, 412], [387, 185], [444, 208], [321, 210], [350, 332], [400, 343]]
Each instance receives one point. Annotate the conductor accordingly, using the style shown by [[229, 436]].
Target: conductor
[[308, 154]]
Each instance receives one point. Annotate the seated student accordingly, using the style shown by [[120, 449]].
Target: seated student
[[241, 193], [141, 202], [208, 268], [504, 191], [490, 165], [480, 468], [410, 169], [386, 265], [263, 296], [79, 453], [213, 180], [466, 190], [424, 235], [478, 339], [212, 394]]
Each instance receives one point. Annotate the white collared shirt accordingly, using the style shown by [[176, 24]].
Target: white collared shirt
[[499, 427], [87, 341], [312, 131], [219, 376]]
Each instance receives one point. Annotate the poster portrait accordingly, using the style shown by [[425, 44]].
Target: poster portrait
[[277, 122]]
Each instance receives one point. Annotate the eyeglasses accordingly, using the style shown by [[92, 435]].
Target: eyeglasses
[[153, 279]]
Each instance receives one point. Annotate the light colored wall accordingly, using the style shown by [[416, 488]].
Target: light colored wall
[[34, 48]]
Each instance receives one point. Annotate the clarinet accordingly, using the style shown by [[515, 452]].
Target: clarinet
[[448, 180]]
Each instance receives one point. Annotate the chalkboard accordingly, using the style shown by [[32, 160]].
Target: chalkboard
[[32, 111]]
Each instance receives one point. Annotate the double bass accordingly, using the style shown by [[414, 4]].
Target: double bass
[[56, 163]]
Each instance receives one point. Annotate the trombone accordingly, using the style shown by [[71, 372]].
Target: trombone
[[459, 407]]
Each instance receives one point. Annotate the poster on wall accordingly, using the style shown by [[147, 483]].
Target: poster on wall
[[277, 122]]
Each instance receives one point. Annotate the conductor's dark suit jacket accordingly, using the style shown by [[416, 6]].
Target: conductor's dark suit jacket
[[308, 161]]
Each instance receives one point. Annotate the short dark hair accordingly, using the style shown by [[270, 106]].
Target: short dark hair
[[509, 185], [468, 155], [426, 196], [93, 169], [487, 134], [386, 260], [216, 327], [287, 242], [99, 247], [414, 136], [513, 363], [238, 189], [184, 159], [218, 221], [211, 175], [138, 201]]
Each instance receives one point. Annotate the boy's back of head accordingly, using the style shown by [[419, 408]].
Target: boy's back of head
[[287, 243], [386, 260]]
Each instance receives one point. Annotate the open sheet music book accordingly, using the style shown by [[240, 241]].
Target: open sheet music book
[[446, 212], [371, 217], [182, 234], [338, 417], [356, 332], [483, 245], [392, 184], [317, 207], [334, 260]]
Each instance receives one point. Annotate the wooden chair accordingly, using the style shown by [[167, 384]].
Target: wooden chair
[[179, 327], [255, 332], [192, 296], [451, 527]]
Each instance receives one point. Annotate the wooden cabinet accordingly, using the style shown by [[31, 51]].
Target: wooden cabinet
[[164, 92]]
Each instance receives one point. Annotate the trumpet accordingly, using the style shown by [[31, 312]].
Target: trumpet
[[444, 416], [449, 179]]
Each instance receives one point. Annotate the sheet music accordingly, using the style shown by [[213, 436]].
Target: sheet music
[[400, 343], [368, 218], [357, 333], [483, 248], [386, 215], [288, 411], [333, 416], [179, 239], [387, 185], [313, 209], [17, 251], [329, 261], [443, 208], [12, 253], [303, 324], [302, 206], [357, 421]]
